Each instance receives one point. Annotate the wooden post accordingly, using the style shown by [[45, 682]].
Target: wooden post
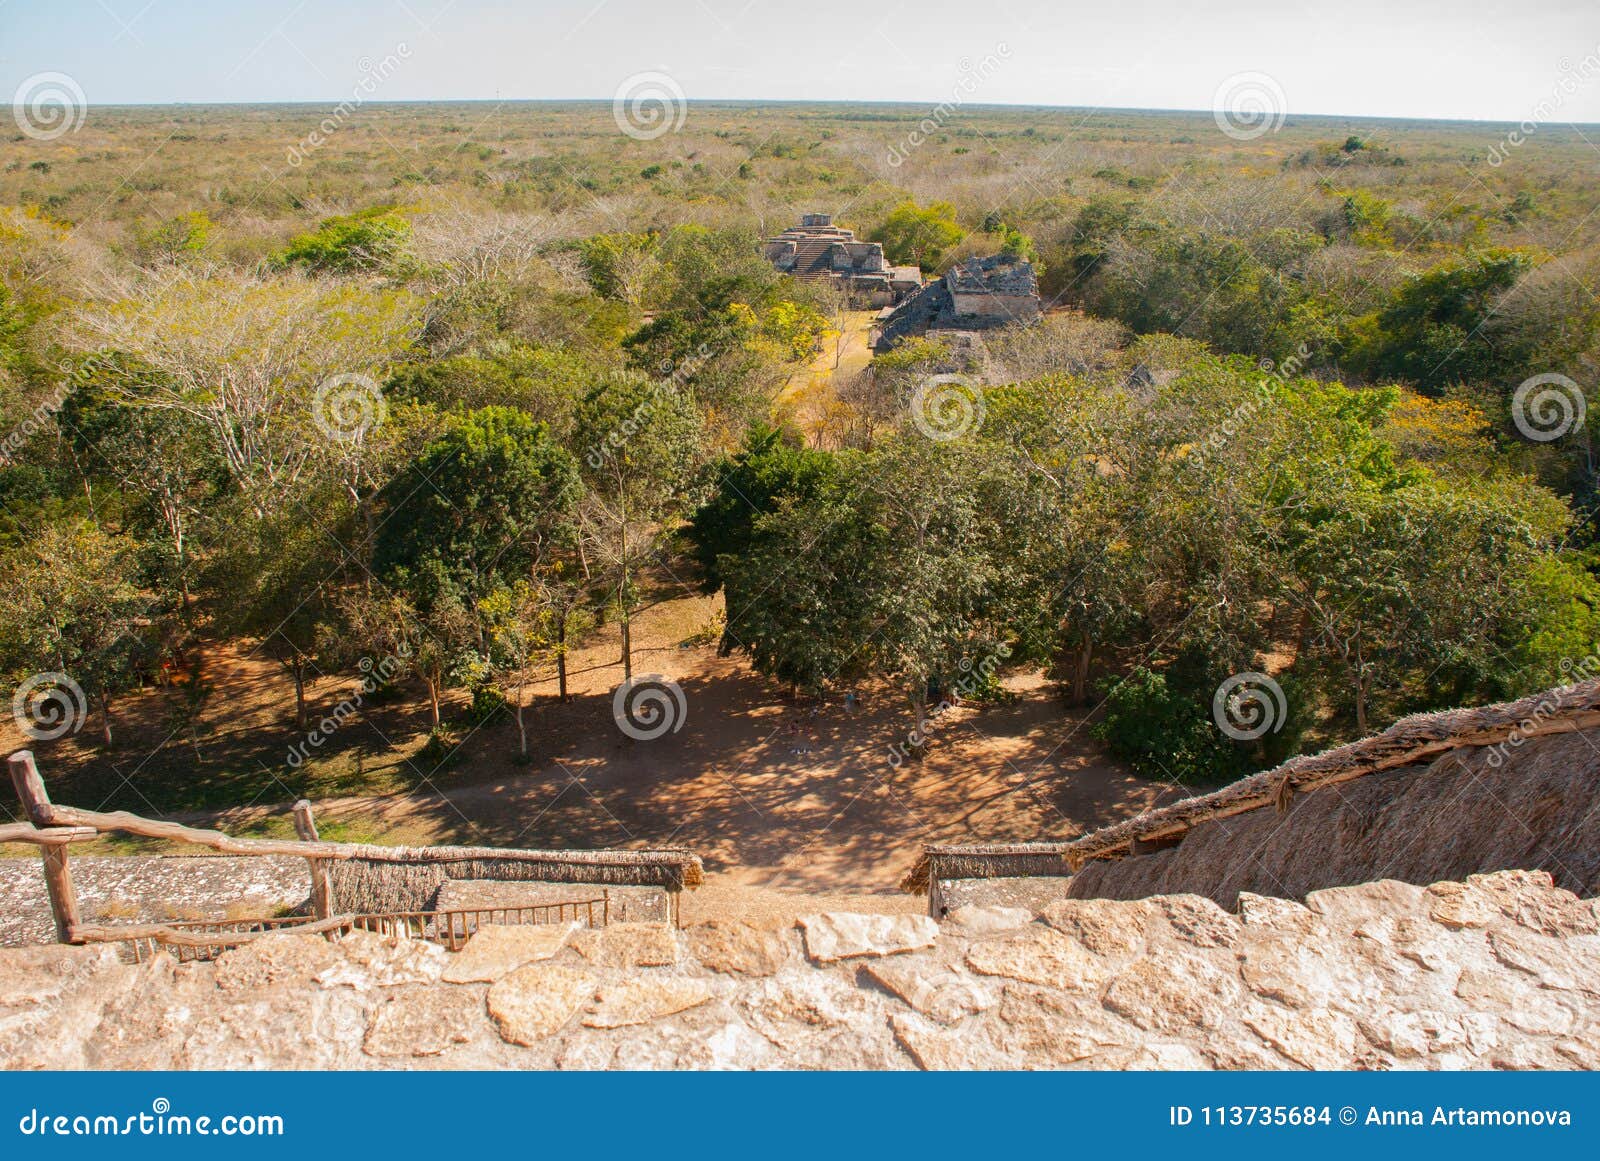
[[305, 826], [63, 899], [57, 873], [30, 787]]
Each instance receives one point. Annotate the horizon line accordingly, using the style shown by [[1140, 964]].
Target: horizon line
[[808, 101]]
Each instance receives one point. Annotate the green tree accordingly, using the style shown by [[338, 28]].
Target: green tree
[[746, 486], [620, 266], [520, 625], [372, 239], [279, 582], [544, 383], [158, 461], [641, 443], [479, 507], [1434, 331], [882, 573], [919, 235], [1244, 299], [476, 512], [72, 605]]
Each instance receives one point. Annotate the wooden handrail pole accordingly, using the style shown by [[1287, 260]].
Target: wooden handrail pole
[[63, 898], [57, 873], [305, 826], [30, 788], [26, 832]]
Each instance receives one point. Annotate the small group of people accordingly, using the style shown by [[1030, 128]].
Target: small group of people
[[792, 727]]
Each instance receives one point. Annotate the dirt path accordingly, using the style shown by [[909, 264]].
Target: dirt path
[[774, 794], [777, 796], [812, 395]]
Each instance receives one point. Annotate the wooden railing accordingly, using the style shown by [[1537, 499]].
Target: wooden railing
[[205, 939], [453, 928], [54, 828]]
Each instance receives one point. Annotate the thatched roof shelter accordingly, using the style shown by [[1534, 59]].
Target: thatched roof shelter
[[1479, 743], [410, 884]]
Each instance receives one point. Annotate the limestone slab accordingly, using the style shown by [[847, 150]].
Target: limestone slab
[[1039, 955], [1313, 1038], [423, 1022], [638, 1001], [1173, 993], [976, 920], [942, 995], [537, 1000], [736, 948], [836, 935], [1104, 927], [937, 1049], [628, 945], [493, 952]]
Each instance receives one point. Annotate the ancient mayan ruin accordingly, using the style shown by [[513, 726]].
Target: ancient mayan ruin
[[817, 249]]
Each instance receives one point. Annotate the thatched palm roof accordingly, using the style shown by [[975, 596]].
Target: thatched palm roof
[[1412, 741], [410, 883]]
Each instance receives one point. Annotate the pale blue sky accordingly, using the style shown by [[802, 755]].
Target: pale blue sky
[[1488, 59]]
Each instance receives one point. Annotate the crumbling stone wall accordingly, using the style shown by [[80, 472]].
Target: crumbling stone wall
[[150, 889], [1499, 971]]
